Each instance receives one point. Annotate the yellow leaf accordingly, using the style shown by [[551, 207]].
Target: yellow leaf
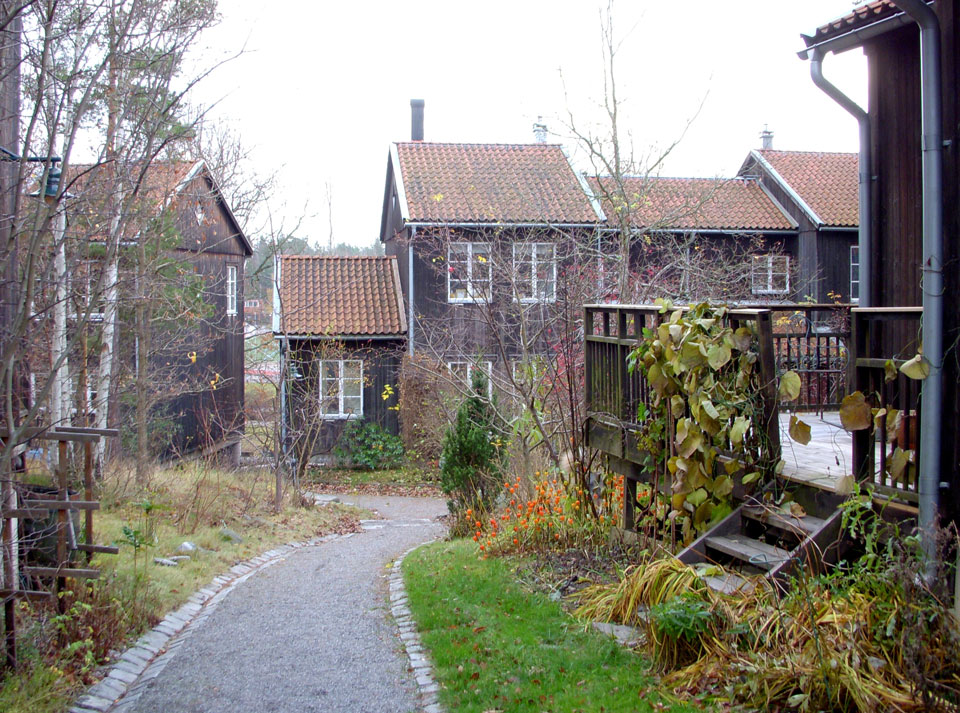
[[799, 431], [722, 486], [855, 414], [889, 371], [917, 368], [702, 513], [718, 355], [677, 406], [698, 497], [898, 464], [742, 339], [789, 386]]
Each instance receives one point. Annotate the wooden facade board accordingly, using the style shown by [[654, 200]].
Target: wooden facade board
[[381, 368]]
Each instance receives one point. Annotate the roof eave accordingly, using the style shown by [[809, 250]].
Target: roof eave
[[775, 175]]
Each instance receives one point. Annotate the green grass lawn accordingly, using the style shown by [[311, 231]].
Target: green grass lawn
[[498, 647]]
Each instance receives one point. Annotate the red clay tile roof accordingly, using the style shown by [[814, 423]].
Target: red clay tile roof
[[490, 183], [696, 204], [860, 17], [356, 296], [827, 182], [163, 183]]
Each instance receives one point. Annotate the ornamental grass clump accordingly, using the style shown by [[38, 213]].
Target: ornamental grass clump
[[870, 636]]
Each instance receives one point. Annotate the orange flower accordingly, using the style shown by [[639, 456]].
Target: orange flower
[[516, 541]]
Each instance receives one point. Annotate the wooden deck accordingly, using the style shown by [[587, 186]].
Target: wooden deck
[[826, 461]]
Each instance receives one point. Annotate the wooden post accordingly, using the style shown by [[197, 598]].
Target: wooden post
[[768, 377], [62, 515], [88, 496], [629, 503], [9, 578]]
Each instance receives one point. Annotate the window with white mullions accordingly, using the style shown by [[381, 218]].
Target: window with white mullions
[[341, 388], [771, 275], [535, 267], [854, 273], [462, 372], [231, 289], [469, 275]]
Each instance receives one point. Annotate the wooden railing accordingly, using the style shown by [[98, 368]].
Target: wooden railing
[[614, 394], [884, 337], [813, 340]]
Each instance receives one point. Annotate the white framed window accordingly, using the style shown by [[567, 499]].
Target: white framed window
[[231, 289], [854, 273], [462, 371], [199, 213], [771, 275], [535, 267], [469, 272], [341, 388]]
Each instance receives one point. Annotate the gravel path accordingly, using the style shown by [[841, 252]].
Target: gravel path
[[310, 633]]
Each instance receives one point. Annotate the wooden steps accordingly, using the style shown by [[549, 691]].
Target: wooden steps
[[800, 526], [766, 540], [831, 483], [756, 553]]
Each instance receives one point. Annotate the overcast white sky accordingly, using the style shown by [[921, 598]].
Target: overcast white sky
[[323, 88]]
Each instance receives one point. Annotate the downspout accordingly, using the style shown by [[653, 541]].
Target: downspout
[[932, 283], [410, 291], [863, 120]]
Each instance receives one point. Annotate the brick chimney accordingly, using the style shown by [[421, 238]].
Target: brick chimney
[[416, 119]]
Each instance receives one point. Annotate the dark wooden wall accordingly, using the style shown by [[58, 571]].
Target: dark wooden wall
[[823, 255], [894, 105], [381, 367], [215, 412]]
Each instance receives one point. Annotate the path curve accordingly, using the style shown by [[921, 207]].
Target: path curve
[[309, 633]]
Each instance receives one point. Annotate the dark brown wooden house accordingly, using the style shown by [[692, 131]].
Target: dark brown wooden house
[[791, 215], [213, 242], [342, 330], [196, 355], [479, 230], [913, 242], [817, 191]]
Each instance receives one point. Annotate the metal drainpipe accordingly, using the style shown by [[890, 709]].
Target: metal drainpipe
[[932, 283], [863, 119], [413, 234]]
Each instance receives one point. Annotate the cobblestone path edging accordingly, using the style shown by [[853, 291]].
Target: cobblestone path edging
[[144, 661], [419, 661]]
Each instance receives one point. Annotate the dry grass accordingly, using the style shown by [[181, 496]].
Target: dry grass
[[828, 644]]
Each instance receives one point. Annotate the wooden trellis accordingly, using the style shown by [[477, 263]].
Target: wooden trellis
[[12, 510]]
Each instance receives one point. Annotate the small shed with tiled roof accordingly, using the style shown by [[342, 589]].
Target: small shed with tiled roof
[[342, 329]]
